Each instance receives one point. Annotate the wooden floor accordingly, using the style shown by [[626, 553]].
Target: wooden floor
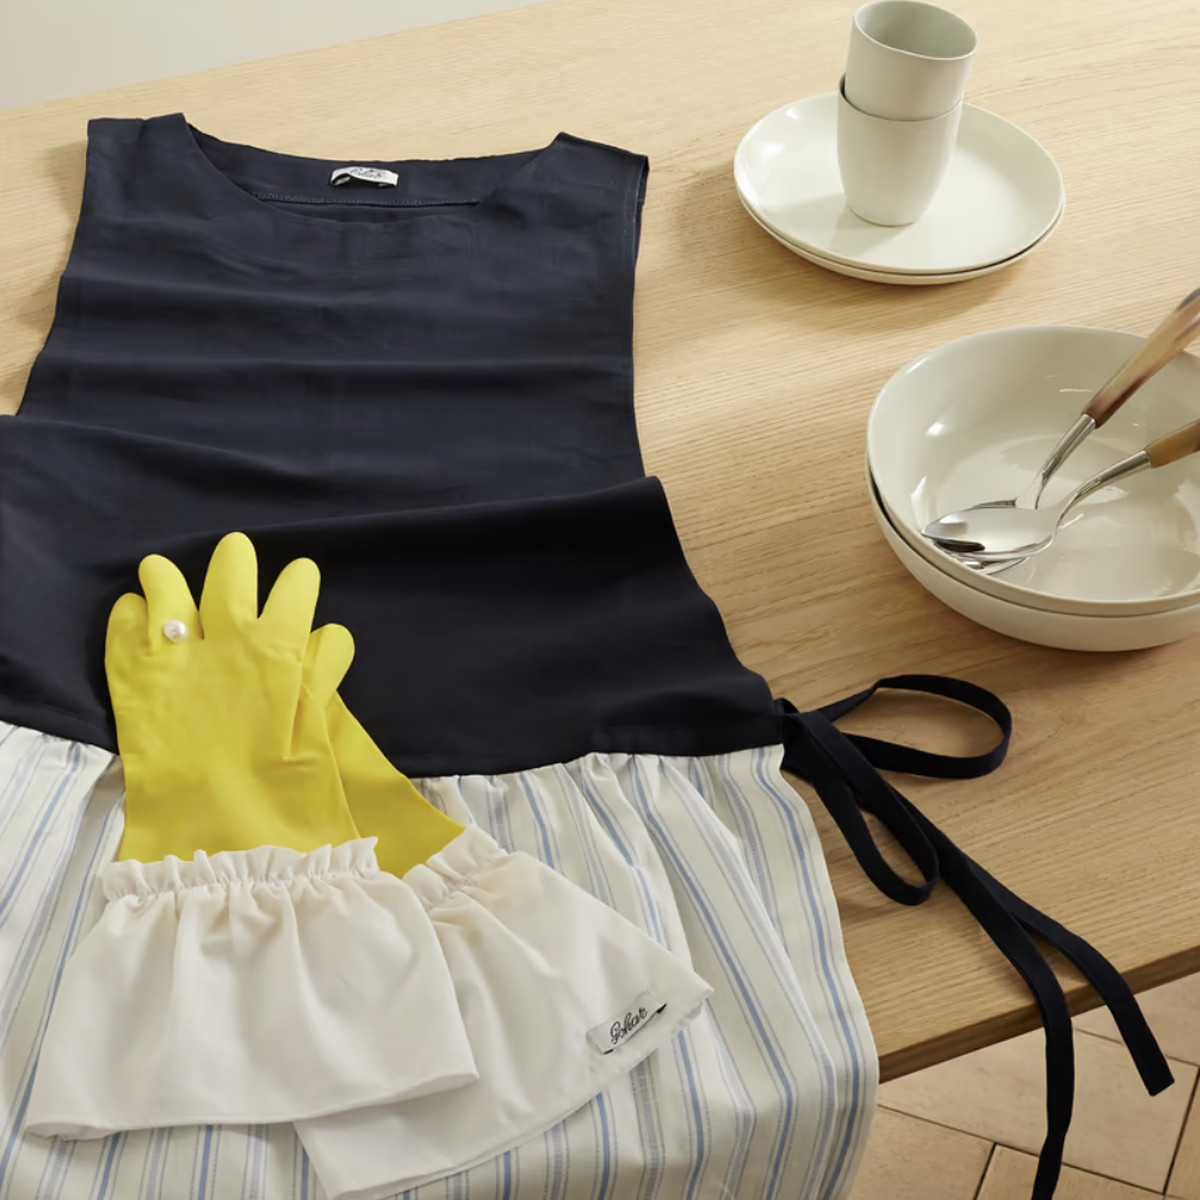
[[969, 1129]]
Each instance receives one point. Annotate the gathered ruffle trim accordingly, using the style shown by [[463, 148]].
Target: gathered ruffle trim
[[456, 865], [262, 866]]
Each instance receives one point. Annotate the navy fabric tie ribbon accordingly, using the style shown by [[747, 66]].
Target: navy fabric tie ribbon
[[844, 770]]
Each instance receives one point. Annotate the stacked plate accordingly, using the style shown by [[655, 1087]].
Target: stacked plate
[[975, 419], [1002, 198]]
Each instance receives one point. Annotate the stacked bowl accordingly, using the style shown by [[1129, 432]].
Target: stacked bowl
[[974, 420]]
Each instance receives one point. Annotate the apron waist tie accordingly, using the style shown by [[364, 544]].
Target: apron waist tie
[[844, 770]]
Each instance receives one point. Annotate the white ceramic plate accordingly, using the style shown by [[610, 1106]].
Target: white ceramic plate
[[1066, 631], [974, 419], [1002, 194], [908, 279]]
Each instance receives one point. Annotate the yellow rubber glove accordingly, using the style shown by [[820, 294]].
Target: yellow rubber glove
[[223, 746], [383, 802]]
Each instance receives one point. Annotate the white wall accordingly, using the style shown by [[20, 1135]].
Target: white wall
[[55, 48]]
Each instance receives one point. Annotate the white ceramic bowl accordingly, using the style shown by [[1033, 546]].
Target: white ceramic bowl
[[1066, 631], [974, 419]]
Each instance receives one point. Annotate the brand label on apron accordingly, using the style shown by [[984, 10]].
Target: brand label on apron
[[607, 1037], [378, 176]]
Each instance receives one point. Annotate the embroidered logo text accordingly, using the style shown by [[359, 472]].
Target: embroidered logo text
[[608, 1037]]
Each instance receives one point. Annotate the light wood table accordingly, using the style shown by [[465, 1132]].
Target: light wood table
[[755, 372]]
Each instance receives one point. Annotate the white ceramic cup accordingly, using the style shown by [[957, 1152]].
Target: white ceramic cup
[[891, 169], [908, 61]]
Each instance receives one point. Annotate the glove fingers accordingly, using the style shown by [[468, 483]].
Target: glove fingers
[[288, 613], [230, 598], [327, 658], [128, 629], [168, 598]]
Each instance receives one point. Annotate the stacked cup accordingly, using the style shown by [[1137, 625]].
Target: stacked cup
[[899, 106]]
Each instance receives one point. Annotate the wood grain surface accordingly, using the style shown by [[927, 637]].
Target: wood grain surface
[[755, 372]]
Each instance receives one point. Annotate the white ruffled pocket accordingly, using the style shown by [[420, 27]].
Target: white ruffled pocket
[[249, 987], [561, 996]]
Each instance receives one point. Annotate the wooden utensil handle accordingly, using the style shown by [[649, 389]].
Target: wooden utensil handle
[[1180, 327], [1173, 446]]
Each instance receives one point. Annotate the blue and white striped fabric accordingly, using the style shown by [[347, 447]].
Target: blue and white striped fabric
[[768, 1093]]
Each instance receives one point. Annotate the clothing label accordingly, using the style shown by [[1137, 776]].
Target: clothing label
[[607, 1037], [379, 176]]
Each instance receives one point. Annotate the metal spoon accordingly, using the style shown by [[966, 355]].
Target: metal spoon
[[1171, 336], [986, 567], [1006, 532]]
